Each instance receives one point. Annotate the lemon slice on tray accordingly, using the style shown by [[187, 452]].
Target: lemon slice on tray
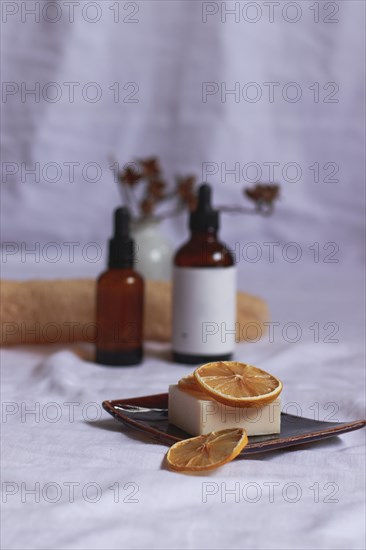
[[237, 384], [206, 452]]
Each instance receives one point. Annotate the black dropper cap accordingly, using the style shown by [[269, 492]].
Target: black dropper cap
[[204, 218], [121, 246]]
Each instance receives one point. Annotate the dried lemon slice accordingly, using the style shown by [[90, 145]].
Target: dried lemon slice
[[237, 384], [190, 384], [206, 452]]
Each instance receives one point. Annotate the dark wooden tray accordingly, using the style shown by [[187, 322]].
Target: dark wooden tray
[[149, 414]]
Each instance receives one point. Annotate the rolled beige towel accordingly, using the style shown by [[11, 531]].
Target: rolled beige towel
[[60, 311]]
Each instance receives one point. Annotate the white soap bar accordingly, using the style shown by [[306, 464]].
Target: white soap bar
[[198, 414]]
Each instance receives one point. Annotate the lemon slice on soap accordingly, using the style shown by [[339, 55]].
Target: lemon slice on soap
[[237, 384], [189, 383]]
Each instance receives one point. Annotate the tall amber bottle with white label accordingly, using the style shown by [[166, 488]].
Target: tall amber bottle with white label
[[204, 291]]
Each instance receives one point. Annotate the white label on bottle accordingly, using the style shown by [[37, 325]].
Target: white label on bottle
[[204, 310]]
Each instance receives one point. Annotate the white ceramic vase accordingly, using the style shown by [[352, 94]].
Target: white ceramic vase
[[154, 254]]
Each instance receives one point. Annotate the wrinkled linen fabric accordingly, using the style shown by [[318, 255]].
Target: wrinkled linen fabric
[[96, 484]]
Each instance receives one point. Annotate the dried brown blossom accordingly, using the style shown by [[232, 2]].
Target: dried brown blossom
[[150, 168], [185, 186], [263, 193], [156, 188], [129, 176]]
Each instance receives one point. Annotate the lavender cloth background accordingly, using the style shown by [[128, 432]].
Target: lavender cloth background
[[169, 53]]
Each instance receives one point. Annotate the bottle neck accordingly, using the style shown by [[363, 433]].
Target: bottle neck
[[121, 254]]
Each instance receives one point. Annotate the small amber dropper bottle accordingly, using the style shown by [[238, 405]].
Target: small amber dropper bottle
[[204, 291], [120, 294]]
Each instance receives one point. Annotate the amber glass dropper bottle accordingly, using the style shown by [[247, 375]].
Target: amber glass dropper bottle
[[204, 291], [120, 294]]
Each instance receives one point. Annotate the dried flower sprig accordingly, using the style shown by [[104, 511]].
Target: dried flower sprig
[[144, 189], [263, 196]]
